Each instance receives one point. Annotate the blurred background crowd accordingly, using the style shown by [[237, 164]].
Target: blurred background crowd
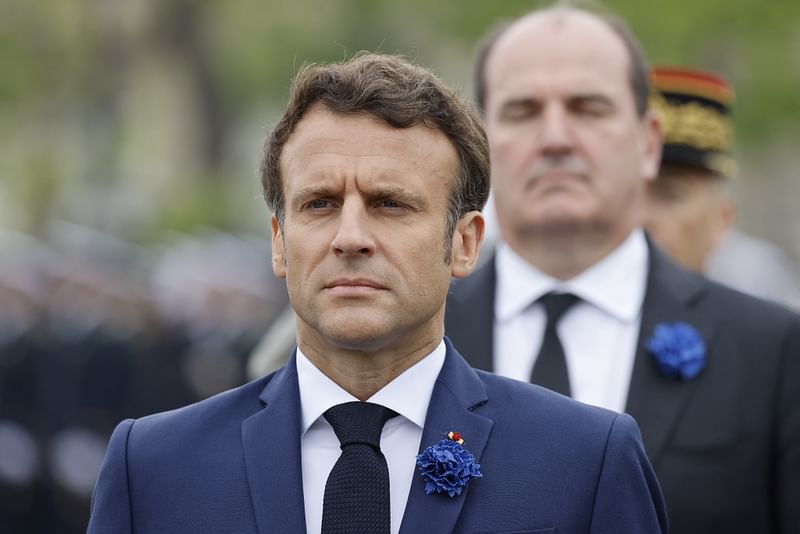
[[94, 329], [134, 254]]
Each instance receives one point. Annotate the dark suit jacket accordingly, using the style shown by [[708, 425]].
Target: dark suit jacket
[[232, 464], [725, 445]]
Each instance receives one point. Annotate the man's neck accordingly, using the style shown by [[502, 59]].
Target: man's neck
[[566, 256], [362, 372]]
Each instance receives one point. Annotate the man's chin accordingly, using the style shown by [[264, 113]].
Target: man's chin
[[357, 334], [559, 224], [366, 345]]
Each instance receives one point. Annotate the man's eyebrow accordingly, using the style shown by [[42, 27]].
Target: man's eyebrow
[[312, 191], [536, 99], [375, 193], [389, 191], [397, 193], [522, 101], [315, 189], [590, 97]]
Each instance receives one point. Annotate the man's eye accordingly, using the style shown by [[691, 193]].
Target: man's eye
[[389, 203], [593, 111], [518, 112], [592, 108], [318, 204], [671, 195]]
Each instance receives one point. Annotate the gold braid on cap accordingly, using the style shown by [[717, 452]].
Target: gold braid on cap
[[692, 124]]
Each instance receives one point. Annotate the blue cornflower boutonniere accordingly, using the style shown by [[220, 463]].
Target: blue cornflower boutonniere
[[447, 467], [678, 349]]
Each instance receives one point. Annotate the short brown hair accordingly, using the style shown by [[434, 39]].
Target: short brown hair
[[403, 95], [639, 68]]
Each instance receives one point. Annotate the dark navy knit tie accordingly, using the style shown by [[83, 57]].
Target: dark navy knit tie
[[550, 369], [357, 491]]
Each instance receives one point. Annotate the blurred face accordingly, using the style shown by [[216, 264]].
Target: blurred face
[[569, 152], [362, 247], [687, 213]]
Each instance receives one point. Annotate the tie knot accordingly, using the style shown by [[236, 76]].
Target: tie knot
[[556, 304], [359, 422]]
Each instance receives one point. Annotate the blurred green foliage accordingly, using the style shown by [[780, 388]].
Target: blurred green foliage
[[133, 116]]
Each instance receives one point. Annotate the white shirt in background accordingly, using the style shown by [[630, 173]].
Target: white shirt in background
[[599, 333]]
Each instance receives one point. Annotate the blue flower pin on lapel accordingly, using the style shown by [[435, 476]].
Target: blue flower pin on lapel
[[678, 350], [447, 467]]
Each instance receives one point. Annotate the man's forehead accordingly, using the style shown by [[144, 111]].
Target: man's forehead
[[322, 130], [326, 139], [321, 122], [558, 38], [554, 20]]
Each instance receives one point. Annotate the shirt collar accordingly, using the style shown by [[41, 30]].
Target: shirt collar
[[409, 394], [616, 284]]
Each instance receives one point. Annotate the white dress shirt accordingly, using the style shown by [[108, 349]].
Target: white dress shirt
[[409, 395], [598, 333]]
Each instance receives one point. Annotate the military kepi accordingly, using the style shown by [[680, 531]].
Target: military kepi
[[695, 112]]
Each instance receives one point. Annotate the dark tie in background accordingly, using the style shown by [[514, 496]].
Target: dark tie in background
[[550, 369], [357, 491]]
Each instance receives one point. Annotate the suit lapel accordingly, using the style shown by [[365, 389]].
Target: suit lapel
[[657, 402], [458, 390], [469, 317], [271, 441]]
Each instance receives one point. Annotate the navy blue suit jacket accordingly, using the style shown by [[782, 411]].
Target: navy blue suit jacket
[[725, 445], [231, 463]]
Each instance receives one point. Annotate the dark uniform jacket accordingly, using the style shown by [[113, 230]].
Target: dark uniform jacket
[[726, 444]]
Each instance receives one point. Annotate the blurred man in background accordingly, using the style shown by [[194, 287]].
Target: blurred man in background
[[577, 298], [690, 207]]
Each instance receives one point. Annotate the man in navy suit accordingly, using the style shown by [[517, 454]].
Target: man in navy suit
[[376, 175], [711, 376]]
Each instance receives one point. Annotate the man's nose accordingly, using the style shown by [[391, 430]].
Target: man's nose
[[353, 236], [556, 131]]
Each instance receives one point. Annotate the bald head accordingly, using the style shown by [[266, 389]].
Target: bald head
[[558, 16], [571, 141]]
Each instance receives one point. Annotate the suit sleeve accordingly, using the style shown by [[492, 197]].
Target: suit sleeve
[[628, 499], [111, 505], [787, 467]]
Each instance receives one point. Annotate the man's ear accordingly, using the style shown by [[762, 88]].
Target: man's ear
[[278, 251], [467, 239], [651, 145], [724, 220]]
